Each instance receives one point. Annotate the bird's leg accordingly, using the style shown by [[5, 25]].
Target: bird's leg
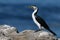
[[40, 29], [37, 30]]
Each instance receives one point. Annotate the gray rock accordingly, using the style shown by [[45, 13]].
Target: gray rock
[[10, 33], [58, 38]]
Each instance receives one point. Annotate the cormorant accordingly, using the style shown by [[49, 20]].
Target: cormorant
[[39, 21]]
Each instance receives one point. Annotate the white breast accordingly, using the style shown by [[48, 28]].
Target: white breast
[[35, 21]]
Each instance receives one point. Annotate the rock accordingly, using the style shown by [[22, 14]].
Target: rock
[[10, 33], [5, 31], [58, 38], [41, 35]]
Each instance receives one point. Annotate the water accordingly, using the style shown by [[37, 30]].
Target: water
[[19, 15]]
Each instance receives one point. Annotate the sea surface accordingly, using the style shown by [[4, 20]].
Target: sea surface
[[19, 15]]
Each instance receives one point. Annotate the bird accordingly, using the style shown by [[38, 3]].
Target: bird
[[39, 21]]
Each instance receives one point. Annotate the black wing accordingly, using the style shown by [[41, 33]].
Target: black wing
[[41, 21]]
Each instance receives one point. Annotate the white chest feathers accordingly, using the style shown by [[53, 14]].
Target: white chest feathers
[[35, 21]]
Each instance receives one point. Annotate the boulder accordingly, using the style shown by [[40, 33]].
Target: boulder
[[10, 33]]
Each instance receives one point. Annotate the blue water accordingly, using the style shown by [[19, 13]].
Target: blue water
[[19, 15]]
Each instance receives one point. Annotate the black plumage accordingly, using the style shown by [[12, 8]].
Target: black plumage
[[43, 23], [39, 21]]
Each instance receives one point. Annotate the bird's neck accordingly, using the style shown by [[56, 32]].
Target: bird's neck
[[35, 12]]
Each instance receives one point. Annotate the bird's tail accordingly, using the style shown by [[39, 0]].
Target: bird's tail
[[52, 32]]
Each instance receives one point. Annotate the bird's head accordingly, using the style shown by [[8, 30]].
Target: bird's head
[[33, 7]]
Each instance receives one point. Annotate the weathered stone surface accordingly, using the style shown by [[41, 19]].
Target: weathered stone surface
[[58, 38], [10, 33]]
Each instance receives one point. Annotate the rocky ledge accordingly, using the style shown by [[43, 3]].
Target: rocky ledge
[[11, 33]]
